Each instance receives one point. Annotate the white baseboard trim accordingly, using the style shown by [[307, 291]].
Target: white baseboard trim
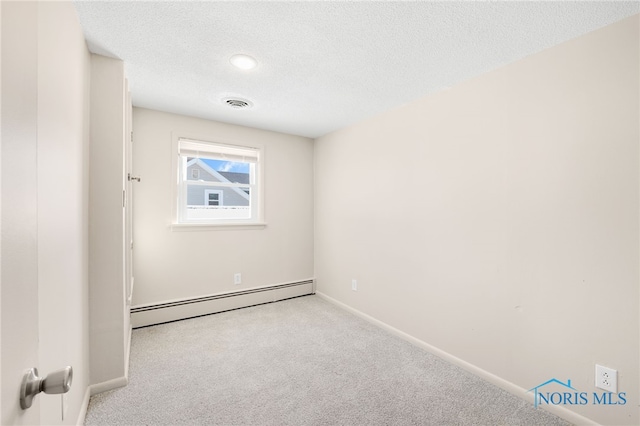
[[108, 385], [173, 310], [83, 408], [512, 388], [96, 389]]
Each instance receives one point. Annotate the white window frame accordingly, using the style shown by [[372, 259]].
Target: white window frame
[[179, 221]]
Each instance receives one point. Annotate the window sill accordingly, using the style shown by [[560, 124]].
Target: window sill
[[235, 226]]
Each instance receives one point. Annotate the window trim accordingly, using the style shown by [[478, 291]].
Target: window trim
[[253, 223]]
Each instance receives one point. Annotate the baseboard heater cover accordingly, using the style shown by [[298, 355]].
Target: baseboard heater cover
[[157, 313]]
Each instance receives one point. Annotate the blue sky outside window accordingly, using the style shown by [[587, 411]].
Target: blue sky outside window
[[226, 166]]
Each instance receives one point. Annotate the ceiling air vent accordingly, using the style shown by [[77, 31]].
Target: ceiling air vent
[[238, 103]]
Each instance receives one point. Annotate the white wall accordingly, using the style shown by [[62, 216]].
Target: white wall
[[1, 411], [514, 246], [109, 315], [45, 187], [172, 264]]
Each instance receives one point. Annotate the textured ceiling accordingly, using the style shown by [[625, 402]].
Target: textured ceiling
[[323, 65]]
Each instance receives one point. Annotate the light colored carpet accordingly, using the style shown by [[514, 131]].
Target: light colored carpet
[[302, 361]]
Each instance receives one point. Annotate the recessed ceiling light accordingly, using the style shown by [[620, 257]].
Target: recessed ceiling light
[[244, 62]]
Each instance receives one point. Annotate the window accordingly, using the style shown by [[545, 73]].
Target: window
[[217, 183], [213, 197]]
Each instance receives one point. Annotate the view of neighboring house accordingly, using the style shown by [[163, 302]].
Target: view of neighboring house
[[215, 195]]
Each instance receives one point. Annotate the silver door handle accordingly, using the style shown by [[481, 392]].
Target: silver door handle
[[130, 178], [57, 382]]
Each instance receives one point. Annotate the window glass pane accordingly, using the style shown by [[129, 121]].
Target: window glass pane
[[218, 202], [206, 169]]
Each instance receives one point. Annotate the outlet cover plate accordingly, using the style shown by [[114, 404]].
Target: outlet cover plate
[[606, 378]]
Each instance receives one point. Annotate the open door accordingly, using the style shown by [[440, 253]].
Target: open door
[[43, 207], [19, 236]]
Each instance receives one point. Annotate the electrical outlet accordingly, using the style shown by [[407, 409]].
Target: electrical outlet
[[354, 285], [606, 378], [237, 278]]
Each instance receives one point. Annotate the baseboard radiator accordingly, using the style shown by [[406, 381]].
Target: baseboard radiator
[[157, 313]]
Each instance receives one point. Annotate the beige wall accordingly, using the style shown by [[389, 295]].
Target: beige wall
[[174, 264], [515, 245], [109, 314]]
